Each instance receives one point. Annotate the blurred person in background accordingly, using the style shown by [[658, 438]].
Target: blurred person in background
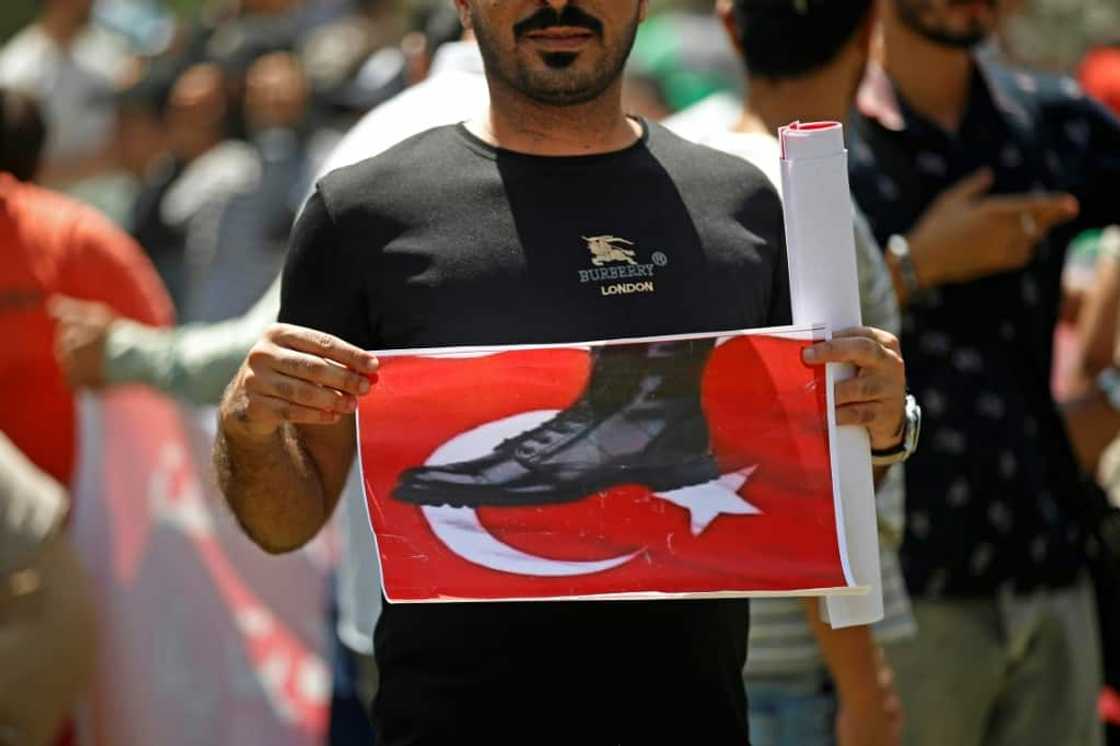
[[809, 684], [195, 362], [253, 197], [71, 67], [148, 105], [1098, 325], [357, 61], [998, 510], [47, 637], [1093, 416], [220, 213], [51, 245], [140, 135], [1053, 35]]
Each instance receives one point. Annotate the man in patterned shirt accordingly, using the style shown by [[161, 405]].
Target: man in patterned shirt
[[808, 684], [994, 553]]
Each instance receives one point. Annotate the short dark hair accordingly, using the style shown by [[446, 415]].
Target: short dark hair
[[789, 38], [23, 133]]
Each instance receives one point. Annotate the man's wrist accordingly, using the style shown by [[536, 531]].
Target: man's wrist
[[924, 259], [901, 263], [893, 443], [237, 428]]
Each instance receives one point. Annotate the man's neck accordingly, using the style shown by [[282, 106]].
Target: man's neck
[[60, 27], [934, 79], [516, 123], [772, 104]]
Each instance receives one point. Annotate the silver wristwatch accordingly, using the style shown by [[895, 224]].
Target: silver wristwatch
[[911, 431], [899, 248]]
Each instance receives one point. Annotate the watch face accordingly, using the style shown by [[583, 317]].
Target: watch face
[[913, 424], [898, 246]]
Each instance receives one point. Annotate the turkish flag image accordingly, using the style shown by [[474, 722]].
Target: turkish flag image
[[679, 466]]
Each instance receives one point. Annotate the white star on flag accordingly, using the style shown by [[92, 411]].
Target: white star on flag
[[708, 501]]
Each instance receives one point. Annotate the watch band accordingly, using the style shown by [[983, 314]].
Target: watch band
[[899, 248], [911, 433]]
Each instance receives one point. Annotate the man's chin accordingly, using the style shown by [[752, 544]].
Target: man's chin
[[559, 60], [561, 97], [560, 86], [964, 40], [961, 41]]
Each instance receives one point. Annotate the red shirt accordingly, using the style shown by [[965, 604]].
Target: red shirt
[[50, 244]]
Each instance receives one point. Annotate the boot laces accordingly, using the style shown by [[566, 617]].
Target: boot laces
[[568, 422]]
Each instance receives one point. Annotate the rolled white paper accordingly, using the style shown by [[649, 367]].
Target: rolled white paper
[[824, 288]]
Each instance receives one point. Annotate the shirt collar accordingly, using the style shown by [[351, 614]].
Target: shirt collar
[[879, 100], [458, 56]]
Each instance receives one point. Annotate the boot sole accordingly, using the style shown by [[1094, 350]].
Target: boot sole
[[697, 471]]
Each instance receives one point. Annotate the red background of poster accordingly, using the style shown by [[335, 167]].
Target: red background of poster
[[764, 407]]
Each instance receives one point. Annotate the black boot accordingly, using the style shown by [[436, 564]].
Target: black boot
[[638, 422]]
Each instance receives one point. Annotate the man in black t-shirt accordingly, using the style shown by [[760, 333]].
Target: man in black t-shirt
[[555, 218]]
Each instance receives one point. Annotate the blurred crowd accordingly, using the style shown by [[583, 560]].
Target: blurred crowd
[[186, 147]]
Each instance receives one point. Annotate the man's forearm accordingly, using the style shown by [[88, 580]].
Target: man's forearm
[[1093, 424], [849, 653], [273, 488]]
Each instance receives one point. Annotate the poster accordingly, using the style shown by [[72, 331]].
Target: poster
[[666, 467]]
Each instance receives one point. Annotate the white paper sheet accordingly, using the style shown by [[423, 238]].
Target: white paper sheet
[[825, 289]]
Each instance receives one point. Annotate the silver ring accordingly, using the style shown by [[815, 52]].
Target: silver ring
[[1030, 225]]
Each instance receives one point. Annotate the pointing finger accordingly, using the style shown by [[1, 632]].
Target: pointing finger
[[1039, 205], [1052, 213]]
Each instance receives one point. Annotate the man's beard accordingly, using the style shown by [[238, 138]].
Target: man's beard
[[910, 13], [553, 87]]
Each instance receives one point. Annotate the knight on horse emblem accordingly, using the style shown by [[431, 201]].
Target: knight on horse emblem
[[607, 249]]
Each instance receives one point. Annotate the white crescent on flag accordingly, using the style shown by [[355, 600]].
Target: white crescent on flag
[[463, 533]]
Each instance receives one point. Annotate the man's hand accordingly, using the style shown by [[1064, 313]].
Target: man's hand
[[299, 376], [875, 717], [965, 235], [876, 396], [82, 327]]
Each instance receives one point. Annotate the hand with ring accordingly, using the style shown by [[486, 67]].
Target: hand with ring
[[966, 234]]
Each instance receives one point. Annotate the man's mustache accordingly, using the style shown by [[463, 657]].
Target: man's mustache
[[571, 17]]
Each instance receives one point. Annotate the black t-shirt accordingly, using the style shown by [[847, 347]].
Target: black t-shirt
[[446, 241]]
